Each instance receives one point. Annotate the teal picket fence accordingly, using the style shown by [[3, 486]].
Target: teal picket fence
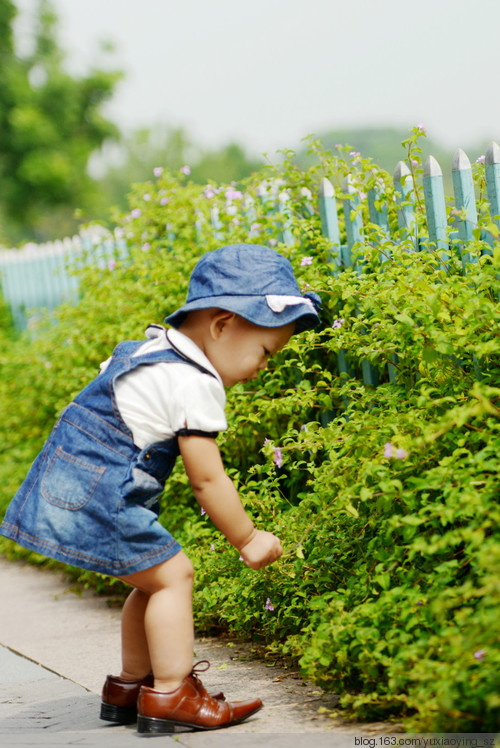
[[447, 236], [39, 277]]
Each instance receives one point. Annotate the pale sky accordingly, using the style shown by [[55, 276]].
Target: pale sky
[[266, 73]]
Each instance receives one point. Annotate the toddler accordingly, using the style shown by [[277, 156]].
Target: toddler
[[91, 496]]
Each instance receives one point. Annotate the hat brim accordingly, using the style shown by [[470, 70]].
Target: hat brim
[[252, 308]]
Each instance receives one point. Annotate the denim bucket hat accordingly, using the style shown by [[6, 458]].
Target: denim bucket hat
[[252, 281]]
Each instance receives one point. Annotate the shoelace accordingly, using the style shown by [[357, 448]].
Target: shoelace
[[197, 669]]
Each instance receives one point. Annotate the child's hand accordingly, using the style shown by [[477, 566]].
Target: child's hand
[[262, 549]]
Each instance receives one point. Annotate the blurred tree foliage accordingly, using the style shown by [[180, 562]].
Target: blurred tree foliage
[[50, 123]]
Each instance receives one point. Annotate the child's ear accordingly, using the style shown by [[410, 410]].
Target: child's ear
[[220, 321]]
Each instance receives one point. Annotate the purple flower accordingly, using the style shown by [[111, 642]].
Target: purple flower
[[209, 192], [158, 171], [397, 454], [421, 128], [232, 194], [269, 605], [212, 547], [164, 200], [338, 322], [202, 511], [354, 154], [480, 160], [415, 163], [306, 261], [136, 213], [112, 265], [146, 247], [480, 654], [185, 170], [278, 457], [146, 197]]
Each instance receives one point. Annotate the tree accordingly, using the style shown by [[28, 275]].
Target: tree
[[50, 123]]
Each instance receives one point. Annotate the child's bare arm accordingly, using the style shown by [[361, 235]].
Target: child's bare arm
[[216, 493]]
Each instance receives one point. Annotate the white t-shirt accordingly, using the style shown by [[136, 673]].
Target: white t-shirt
[[156, 401]]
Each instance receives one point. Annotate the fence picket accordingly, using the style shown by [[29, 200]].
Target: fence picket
[[492, 169], [435, 207], [405, 195], [379, 215], [353, 220], [327, 204], [465, 202]]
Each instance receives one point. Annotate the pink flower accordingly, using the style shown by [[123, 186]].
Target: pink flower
[[421, 128], [202, 511], [146, 197], [397, 454], [232, 194], [164, 200], [338, 322], [278, 457], [480, 654], [269, 605], [306, 261], [157, 171], [185, 170], [480, 160], [112, 265], [136, 213]]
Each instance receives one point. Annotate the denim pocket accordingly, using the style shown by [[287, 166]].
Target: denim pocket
[[148, 473], [69, 482]]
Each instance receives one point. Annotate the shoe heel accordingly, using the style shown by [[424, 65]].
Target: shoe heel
[[154, 725], [121, 715]]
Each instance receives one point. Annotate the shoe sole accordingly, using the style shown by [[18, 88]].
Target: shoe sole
[[120, 715], [157, 726]]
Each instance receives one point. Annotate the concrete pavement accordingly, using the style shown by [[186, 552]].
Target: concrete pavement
[[56, 647]]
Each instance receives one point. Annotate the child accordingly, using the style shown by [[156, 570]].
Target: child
[[91, 497]]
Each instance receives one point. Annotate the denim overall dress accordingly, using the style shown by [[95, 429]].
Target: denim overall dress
[[91, 496]]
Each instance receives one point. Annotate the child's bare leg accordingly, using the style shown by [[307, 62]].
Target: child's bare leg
[[168, 622], [136, 662]]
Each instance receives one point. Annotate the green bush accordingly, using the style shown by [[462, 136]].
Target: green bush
[[386, 499]]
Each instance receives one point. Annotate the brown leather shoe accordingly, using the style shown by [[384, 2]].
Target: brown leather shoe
[[189, 706], [119, 698]]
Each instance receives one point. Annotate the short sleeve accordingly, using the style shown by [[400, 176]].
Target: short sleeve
[[198, 407], [164, 400]]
